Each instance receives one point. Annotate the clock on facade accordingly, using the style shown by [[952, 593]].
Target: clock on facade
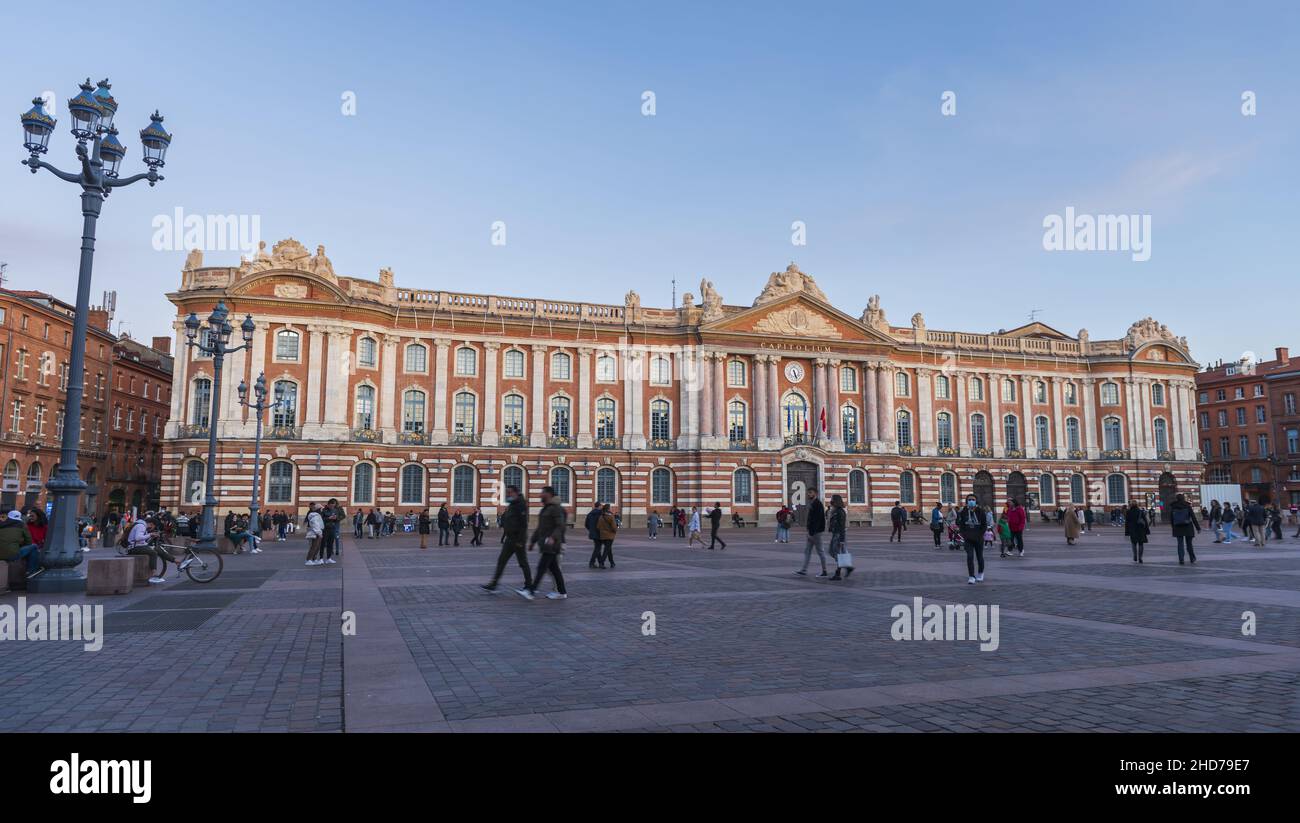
[[794, 372]]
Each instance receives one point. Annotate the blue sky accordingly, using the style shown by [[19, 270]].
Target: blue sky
[[766, 113]]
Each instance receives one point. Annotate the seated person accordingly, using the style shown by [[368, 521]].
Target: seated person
[[141, 540], [16, 543], [737, 520], [239, 534]]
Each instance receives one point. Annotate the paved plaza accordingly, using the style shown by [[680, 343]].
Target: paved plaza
[[1088, 641]]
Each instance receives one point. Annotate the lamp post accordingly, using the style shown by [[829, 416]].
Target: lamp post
[[217, 345], [258, 407], [92, 112]]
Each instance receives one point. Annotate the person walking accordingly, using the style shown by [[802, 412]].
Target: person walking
[[457, 526], [815, 518], [1073, 524], [837, 525], [424, 525], [936, 524], [680, 522], [694, 528], [315, 535], [1256, 518], [652, 524], [593, 518], [898, 519], [715, 521], [1229, 518], [606, 528], [1275, 521], [1088, 517], [444, 525], [783, 516], [514, 539], [1017, 519], [1216, 521], [549, 539], [1185, 527], [334, 516], [1137, 528], [477, 523], [972, 521]]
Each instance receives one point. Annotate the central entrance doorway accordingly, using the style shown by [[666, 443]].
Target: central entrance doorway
[[983, 489], [800, 477]]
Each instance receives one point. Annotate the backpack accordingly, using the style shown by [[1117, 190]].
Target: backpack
[[1182, 516]]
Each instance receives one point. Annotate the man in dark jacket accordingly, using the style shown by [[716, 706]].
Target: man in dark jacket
[[815, 518], [514, 537], [597, 553], [16, 542], [972, 522], [898, 520], [715, 520], [108, 527], [549, 539], [1256, 517], [1185, 526]]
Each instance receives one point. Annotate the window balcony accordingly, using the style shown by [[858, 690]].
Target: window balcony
[[560, 442], [948, 451], [981, 452], [191, 430], [466, 439], [798, 440], [858, 447], [1047, 454], [907, 451], [741, 445], [413, 438], [607, 443], [366, 435], [1165, 454], [512, 440], [1015, 454], [1115, 454], [1076, 454], [282, 433], [662, 444]]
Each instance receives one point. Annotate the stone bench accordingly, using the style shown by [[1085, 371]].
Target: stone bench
[[13, 575], [860, 522], [142, 574], [111, 575]]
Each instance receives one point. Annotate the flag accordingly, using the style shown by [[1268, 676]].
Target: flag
[[823, 418]]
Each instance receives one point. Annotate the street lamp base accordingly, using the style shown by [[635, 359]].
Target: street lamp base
[[54, 581]]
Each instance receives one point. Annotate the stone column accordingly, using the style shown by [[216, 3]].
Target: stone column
[[833, 422], [1148, 420], [311, 427], [441, 434], [720, 398], [1090, 435], [390, 422], [180, 383], [707, 390], [885, 406], [925, 413], [636, 379], [491, 375], [337, 421], [235, 369], [776, 435], [1058, 416], [963, 414], [537, 398], [1028, 430], [256, 366], [688, 397], [585, 438], [995, 414], [758, 414], [870, 415]]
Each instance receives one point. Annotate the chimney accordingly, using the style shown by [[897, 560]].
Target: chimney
[[162, 344], [1283, 354], [99, 319]]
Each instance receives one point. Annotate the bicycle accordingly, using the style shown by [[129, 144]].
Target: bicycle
[[200, 565]]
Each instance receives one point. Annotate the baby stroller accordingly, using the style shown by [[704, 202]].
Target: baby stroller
[[955, 541]]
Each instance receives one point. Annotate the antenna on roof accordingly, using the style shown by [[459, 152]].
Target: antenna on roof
[[1033, 314], [3, 267], [673, 304]]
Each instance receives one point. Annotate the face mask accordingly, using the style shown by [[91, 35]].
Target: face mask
[[970, 503], [510, 499]]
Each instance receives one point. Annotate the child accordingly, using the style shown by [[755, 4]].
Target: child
[[988, 538], [1004, 532]]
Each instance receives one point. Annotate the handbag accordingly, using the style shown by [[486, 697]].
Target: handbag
[[844, 560]]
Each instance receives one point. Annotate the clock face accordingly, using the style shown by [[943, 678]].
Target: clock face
[[794, 372]]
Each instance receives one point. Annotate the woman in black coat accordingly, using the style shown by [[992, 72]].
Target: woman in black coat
[[1186, 526], [424, 526], [1137, 528]]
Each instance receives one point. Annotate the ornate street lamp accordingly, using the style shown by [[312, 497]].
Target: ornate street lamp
[[217, 346], [92, 112], [258, 407]]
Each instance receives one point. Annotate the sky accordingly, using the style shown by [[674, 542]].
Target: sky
[[830, 115]]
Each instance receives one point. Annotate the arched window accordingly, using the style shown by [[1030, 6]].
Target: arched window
[[202, 406], [463, 481], [363, 484], [464, 413], [559, 417], [367, 352], [736, 421], [195, 482], [902, 384], [1047, 490], [857, 487], [606, 369], [795, 409], [279, 482], [904, 427], [413, 411], [1112, 434], [514, 476], [978, 435], [661, 487], [466, 362], [736, 373], [1109, 394], [561, 366], [1158, 394], [412, 485], [417, 358], [512, 364], [1072, 441], [1042, 431], [907, 488], [849, 425], [286, 345], [560, 477], [606, 419], [944, 430], [742, 487], [285, 414], [661, 371], [365, 409], [976, 388], [942, 387], [11, 476], [606, 485], [512, 415], [848, 379], [659, 420], [1161, 430], [1077, 489], [1011, 432], [1116, 489], [947, 488], [34, 477]]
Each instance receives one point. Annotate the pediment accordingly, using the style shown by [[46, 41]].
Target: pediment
[[796, 316], [289, 284], [1036, 329]]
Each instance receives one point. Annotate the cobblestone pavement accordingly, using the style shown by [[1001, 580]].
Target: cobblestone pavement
[[1088, 640]]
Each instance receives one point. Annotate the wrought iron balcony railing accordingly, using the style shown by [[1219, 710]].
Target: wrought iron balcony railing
[[366, 435], [560, 442], [1166, 454], [1115, 454], [512, 440], [907, 450], [983, 451], [798, 440], [1016, 453], [948, 451], [1047, 454], [608, 443], [1076, 454], [282, 433], [188, 430], [466, 439], [858, 447], [740, 444], [413, 438], [661, 444]]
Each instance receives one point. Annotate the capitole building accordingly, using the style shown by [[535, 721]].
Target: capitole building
[[401, 399]]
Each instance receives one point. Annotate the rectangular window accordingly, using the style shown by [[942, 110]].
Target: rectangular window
[[1288, 401], [1243, 445]]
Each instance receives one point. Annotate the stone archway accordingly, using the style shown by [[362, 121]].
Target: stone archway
[[982, 488], [1017, 488], [1168, 488]]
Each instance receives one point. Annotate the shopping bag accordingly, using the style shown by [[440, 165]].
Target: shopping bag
[[844, 560]]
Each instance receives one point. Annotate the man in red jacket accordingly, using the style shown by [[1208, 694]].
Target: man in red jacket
[[1016, 519]]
